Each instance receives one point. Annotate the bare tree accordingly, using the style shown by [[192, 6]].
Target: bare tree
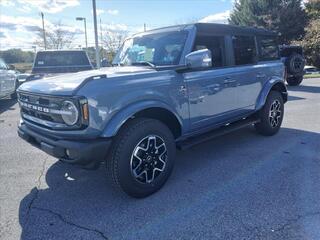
[[112, 40], [57, 37]]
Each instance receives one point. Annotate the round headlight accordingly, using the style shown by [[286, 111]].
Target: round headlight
[[69, 113]]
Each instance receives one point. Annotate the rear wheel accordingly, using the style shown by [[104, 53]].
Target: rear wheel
[[271, 115], [295, 63], [294, 81], [142, 157]]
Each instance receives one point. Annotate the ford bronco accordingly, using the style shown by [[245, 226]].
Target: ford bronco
[[168, 88]]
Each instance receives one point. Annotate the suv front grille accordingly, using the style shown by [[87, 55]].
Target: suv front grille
[[37, 109]]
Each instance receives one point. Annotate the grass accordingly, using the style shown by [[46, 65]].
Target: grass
[[312, 76]]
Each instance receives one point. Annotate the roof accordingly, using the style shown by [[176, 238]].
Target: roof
[[62, 50], [217, 28], [227, 28]]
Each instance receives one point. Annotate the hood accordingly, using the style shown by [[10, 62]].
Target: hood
[[69, 83]]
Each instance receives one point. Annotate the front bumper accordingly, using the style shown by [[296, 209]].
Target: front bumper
[[88, 153]]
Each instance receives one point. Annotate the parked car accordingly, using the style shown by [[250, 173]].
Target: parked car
[[171, 87], [294, 60], [55, 62], [311, 70], [8, 81]]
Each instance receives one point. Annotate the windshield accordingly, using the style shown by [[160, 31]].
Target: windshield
[[159, 49]]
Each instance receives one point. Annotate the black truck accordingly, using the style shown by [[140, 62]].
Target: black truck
[[54, 62]]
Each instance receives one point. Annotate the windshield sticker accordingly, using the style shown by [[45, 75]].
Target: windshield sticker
[[40, 62]]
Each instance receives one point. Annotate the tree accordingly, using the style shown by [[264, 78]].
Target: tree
[[313, 9], [17, 56], [57, 37], [287, 17], [311, 41], [112, 41]]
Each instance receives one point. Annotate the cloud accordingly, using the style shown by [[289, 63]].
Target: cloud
[[115, 27], [217, 17], [3, 35], [50, 6], [7, 3], [113, 12], [21, 23], [99, 11], [25, 9]]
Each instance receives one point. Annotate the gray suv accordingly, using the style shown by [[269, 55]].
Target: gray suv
[[8, 81], [168, 88]]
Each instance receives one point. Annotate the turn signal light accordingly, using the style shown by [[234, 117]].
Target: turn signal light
[[85, 111]]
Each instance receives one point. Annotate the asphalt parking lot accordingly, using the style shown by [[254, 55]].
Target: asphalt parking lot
[[239, 186]]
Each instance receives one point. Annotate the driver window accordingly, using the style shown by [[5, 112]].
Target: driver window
[[215, 44]]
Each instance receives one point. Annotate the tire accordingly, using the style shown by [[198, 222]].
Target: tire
[[138, 163], [295, 63], [271, 115], [14, 95], [294, 81]]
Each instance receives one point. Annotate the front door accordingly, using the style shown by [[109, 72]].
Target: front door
[[211, 91]]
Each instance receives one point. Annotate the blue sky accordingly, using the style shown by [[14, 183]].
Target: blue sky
[[19, 19]]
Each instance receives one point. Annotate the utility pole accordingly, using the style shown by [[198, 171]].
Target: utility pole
[[145, 27], [101, 39], [96, 32], [85, 29], [44, 33]]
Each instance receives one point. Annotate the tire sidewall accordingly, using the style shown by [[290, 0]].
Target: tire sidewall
[[290, 63], [294, 81], [264, 126], [126, 180]]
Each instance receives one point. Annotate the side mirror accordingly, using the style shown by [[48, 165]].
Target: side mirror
[[199, 59]]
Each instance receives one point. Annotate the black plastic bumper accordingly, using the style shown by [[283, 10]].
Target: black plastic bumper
[[88, 153]]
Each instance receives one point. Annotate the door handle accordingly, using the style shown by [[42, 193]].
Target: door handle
[[261, 75], [183, 89], [229, 81]]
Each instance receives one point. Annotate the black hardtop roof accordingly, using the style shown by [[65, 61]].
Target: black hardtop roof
[[218, 28], [227, 29]]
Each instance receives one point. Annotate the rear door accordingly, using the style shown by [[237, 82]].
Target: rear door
[[248, 74]]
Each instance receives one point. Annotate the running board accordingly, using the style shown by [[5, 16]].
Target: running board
[[185, 144]]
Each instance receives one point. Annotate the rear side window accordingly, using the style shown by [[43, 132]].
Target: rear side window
[[244, 48], [268, 48]]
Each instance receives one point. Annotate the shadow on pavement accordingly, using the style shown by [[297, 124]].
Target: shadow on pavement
[[6, 104], [294, 98], [225, 174], [304, 88]]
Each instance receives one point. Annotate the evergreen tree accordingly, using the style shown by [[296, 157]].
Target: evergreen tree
[[287, 17], [311, 41]]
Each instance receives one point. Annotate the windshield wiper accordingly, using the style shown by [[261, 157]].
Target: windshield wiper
[[143, 64]]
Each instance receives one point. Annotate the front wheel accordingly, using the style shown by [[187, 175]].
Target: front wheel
[[271, 115], [142, 157]]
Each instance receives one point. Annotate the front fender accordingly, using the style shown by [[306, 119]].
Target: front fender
[[267, 88], [115, 123]]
